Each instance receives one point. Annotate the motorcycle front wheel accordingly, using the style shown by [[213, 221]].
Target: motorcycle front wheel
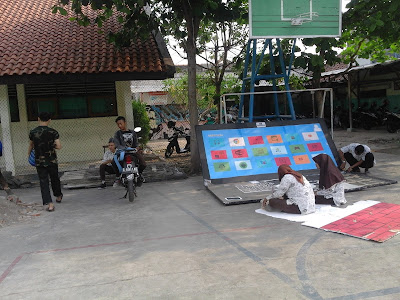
[[391, 127], [367, 126], [131, 191], [169, 152]]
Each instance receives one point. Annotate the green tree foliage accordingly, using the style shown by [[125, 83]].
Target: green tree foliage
[[205, 89], [221, 45], [178, 18], [326, 54], [371, 29], [373, 19], [141, 119]]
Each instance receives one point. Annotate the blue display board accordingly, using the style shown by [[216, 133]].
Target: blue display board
[[251, 151]]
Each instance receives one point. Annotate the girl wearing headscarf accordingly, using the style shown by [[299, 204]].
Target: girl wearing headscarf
[[293, 195], [331, 182]]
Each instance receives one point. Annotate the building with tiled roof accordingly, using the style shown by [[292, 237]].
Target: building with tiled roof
[[49, 63]]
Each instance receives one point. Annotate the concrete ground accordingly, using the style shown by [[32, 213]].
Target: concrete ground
[[176, 241]]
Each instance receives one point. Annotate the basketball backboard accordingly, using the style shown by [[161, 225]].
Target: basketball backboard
[[295, 18]]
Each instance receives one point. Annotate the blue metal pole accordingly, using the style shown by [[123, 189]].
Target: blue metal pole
[[291, 57], [272, 68], [261, 56], [252, 82], [286, 79]]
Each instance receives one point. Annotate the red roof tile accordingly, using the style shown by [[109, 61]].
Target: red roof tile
[[338, 66], [33, 40]]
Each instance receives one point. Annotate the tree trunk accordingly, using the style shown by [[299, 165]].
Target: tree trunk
[[316, 85], [193, 111], [319, 94], [218, 93]]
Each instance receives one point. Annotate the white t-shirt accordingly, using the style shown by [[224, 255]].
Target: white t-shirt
[[108, 155], [301, 195], [352, 149]]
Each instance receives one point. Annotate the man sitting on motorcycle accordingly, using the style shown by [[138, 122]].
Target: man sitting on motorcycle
[[124, 138]]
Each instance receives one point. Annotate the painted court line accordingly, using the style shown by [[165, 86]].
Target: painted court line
[[18, 259], [10, 267]]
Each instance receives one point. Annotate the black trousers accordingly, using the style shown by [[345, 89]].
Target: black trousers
[[105, 168], [319, 199], [44, 173], [283, 206], [368, 163]]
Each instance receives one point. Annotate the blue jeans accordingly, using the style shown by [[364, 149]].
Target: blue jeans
[[44, 173]]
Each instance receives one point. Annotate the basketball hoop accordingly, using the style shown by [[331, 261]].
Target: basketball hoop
[[303, 18], [295, 18]]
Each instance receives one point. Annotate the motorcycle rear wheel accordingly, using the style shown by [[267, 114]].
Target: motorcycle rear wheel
[[367, 126], [169, 152], [131, 191]]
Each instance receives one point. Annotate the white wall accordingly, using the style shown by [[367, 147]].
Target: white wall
[[82, 139]]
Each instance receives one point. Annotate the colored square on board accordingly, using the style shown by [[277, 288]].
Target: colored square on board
[[216, 142], [264, 163], [263, 151], [301, 159], [236, 142], [278, 150], [221, 154], [239, 153], [297, 148], [243, 165], [282, 161], [256, 140], [292, 137], [274, 139], [222, 167], [310, 136], [315, 147]]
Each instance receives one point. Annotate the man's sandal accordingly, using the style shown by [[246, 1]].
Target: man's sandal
[[50, 209], [59, 199]]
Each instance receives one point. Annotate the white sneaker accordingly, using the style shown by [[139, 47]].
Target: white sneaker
[[116, 183]]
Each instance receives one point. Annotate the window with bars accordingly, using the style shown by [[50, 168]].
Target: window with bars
[[13, 102], [69, 101]]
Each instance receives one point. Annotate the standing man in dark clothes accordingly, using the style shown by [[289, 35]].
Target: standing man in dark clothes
[[45, 141], [125, 137]]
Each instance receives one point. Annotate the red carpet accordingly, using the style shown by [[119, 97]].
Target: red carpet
[[379, 223]]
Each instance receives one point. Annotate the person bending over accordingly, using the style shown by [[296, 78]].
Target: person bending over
[[358, 156], [293, 195], [106, 163], [331, 182]]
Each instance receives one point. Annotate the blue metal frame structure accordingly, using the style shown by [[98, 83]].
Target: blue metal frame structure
[[251, 53]]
